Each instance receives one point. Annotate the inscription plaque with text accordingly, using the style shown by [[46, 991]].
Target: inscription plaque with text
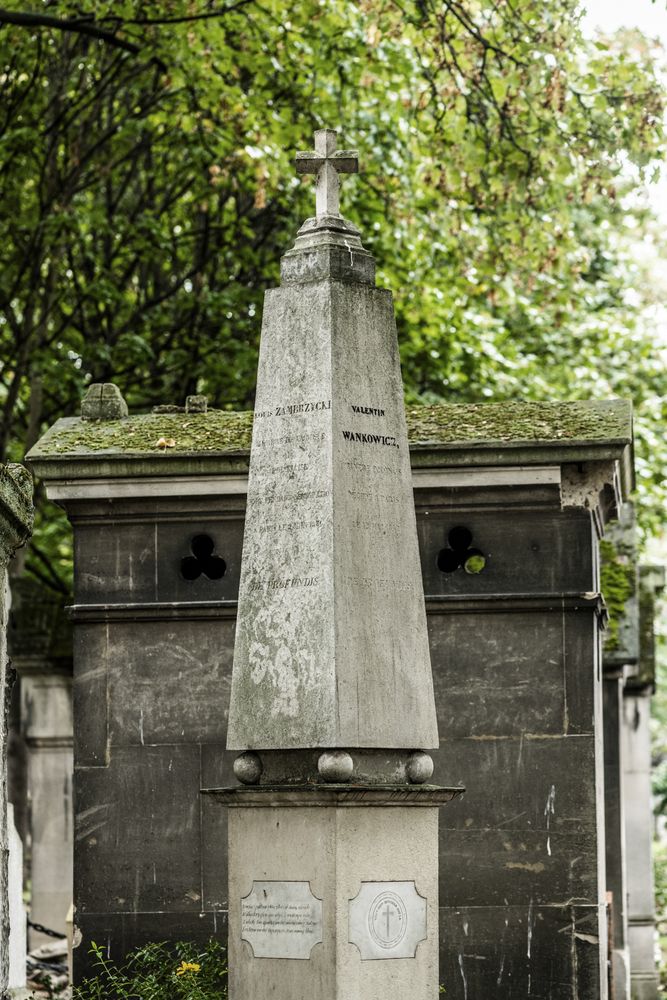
[[281, 919]]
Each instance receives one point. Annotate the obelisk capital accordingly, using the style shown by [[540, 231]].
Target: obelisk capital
[[327, 245]]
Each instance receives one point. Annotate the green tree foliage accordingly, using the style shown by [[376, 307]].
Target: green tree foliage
[[147, 191]]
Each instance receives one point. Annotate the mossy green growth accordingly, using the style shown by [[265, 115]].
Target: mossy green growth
[[448, 423], [618, 580], [228, 432], [214, 431]]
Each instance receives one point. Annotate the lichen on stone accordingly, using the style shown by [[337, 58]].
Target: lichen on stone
[[214, 431], [450, 423], [618, 581], [444, 425]]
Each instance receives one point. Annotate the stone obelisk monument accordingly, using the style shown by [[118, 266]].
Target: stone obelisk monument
[[333, 852]]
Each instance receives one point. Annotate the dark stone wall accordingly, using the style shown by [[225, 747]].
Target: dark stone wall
[[153, 657], [515, 651], [516, 662]]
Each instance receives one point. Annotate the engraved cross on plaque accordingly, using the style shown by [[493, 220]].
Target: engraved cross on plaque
[[388, 914], [327, 162]]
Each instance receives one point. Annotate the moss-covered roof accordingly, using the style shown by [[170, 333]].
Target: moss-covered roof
[[170, 443]]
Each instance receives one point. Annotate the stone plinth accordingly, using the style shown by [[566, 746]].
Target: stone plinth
[[367, 860], [16, 518]]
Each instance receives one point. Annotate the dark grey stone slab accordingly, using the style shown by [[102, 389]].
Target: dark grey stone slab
[[185, 663], [489, 867], [514, 952], [498, 688], [525, 551], [115, 561], [138, 831], [90, 696]]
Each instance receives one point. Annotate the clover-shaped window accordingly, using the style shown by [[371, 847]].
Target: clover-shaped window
[[203, 561], [459, 553]]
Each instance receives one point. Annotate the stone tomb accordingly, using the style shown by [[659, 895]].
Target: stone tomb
[[513, 647]]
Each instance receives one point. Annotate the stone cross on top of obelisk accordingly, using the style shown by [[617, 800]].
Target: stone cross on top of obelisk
[[327, 162], [327, 245]]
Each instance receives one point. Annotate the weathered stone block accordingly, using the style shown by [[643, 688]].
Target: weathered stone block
[[103, 401]]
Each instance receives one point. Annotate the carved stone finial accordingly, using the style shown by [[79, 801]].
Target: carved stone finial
[[103, 401], [196, 404]]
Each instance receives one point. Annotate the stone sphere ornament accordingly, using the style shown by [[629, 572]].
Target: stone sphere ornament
[[248, 767], [335, 766], [419, 767]]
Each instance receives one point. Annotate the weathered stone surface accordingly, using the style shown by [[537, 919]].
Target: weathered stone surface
[[218, 442], [281, 919], [518, 690], [639, 821], [152, 668], [615, 826], [196, 404], [387, 920], [336, 849], [103, 401], [46, 708], [513, 951], [619, 583], [331, 647], [17, 914]]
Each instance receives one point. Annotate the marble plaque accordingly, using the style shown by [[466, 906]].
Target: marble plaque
[[387, 920], [281, 919]]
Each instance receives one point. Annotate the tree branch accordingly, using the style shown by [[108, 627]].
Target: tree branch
[[34, 20], [185, 19]]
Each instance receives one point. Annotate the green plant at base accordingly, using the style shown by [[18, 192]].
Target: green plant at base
[[178, 971]]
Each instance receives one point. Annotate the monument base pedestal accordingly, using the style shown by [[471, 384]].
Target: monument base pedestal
[[333, 891]]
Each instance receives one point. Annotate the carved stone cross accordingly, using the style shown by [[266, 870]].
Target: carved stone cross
[[327, 162]]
